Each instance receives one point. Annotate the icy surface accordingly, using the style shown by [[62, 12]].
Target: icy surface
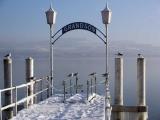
[[75, 107]]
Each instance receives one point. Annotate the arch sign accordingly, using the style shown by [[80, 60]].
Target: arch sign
[[79, 25]]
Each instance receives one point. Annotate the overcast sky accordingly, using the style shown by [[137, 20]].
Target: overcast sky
[[134, 23]]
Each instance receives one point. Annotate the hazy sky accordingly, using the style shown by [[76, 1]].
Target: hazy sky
[[23, 23]]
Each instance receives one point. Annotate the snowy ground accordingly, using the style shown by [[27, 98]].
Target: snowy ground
[[75, 107]]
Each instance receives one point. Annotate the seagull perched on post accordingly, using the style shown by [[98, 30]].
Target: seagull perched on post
[[140, 55], [8, 55], [119, 54], [104, 75], [92, 74], [75, 74], [70, 75]]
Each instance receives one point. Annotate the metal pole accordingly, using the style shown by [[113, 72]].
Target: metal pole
[[107, 92], [16, 101], [51, 60]]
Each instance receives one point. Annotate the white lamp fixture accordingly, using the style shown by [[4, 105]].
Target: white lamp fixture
[[51, 16], [106, 15]]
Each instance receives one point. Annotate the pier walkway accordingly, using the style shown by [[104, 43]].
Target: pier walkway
[[75, 107]]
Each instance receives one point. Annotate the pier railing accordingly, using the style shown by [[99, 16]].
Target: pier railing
[[31, 95]]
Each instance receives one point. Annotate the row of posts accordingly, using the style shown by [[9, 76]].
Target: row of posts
[[91, 84], [141, 81], [8, 98], [71, 76]]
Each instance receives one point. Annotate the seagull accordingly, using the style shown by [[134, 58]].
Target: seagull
[[70, 75], [92, 74], [75, 74], [119, 54], [8, 55], [104, 75], [140, 55]]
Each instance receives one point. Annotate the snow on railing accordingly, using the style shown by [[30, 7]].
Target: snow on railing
[[28, 97]]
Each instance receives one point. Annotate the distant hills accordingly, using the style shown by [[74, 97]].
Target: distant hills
[[73, 47]]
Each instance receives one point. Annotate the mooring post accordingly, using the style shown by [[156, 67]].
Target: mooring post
[[141, 79], [64, 90], [76, 84], [87, 89], [41, 87], [95, 78], [70, 84], [118, 81], [48, 86], [91, 86], [8, 99], [29, 78]]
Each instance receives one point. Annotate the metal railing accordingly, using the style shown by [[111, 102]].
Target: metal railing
[[28, 97]]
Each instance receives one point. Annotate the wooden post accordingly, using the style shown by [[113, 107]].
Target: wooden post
[[48, 87], [64, 90], [76, 84], [91, 86], [29, 78], [7, 84], [141, 78], [87, 89], [41, 85], [118, 81], [70, 86], [95, 78]]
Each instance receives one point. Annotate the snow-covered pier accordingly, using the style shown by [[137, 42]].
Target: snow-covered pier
[[69, 106], [78, 107], [75, 107]]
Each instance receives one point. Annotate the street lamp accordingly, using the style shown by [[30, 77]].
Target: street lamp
[[106, 18], [51, 19]]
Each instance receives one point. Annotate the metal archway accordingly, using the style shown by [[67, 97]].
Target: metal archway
[[79, 25]]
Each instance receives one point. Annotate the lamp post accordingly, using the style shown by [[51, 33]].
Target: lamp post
[[51, 19], [106, 18]]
